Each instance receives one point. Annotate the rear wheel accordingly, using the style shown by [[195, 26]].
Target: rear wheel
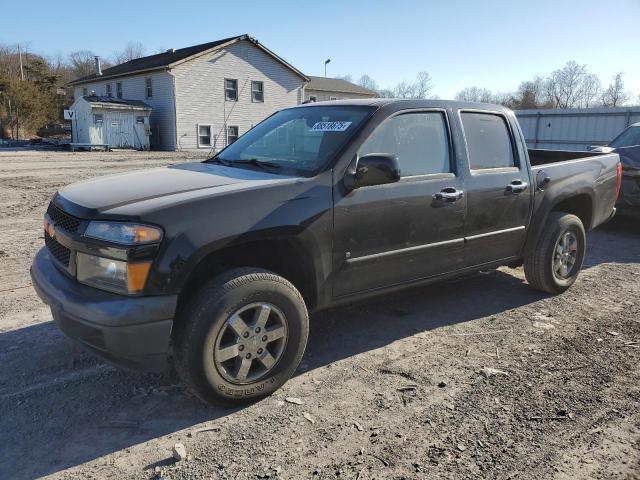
[[555, 262], [241, 336]]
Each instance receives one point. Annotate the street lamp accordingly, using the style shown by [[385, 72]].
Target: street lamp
[[325, 66]]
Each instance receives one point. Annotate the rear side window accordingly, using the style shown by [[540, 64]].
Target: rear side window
[[419, 141], [488, 141]]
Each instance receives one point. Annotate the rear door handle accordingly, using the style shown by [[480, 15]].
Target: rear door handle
[[517, 186], [449, 194]]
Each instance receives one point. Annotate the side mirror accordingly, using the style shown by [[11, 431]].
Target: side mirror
[[373, 169]]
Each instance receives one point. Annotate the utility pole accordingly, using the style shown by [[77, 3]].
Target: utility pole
[[325, 66], [21, 70]]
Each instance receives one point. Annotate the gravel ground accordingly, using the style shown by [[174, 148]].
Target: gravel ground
[[481, 377]]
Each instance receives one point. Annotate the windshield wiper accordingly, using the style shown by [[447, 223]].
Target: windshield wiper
[[254, 161], [218, 160]]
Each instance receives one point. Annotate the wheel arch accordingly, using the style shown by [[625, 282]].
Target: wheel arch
[[580, 204], [283, 254]]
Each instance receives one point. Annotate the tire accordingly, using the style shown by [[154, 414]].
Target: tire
[[539, 267], [208, 331]]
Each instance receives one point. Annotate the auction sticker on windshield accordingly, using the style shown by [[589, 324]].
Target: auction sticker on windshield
[[330, 126]]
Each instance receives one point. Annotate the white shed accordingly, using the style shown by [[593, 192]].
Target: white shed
[[111, 122]]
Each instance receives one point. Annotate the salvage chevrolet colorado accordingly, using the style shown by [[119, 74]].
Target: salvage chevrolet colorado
[[215, 265]]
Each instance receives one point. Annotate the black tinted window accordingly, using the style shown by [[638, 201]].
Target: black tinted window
[[629, 138], [488, 141], [419, 140]]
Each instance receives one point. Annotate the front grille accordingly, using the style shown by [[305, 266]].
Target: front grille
[[59, 251], [62, 219]]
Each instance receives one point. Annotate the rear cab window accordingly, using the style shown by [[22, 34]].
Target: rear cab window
[[489, 141]]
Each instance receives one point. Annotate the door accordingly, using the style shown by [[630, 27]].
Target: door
[[392, 234], [498, 190]]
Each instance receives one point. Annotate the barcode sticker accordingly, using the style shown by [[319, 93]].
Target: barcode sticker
[[330, 126]]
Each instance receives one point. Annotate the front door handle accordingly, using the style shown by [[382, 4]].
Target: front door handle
[[449, 194], [517, 186]]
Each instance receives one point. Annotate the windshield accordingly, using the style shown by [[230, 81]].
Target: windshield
[[302, 139], [629, 138]]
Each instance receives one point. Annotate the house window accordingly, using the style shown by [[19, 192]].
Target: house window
[[333, 98], [109, 93], [312, 98], [257, 91], [119, 89], [140, 120], [98, 118], [204, 135], [232, 134], [148, 87], [84, 92], [230, 89]]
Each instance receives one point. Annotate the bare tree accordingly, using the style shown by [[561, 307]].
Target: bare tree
[[615, 95], [82, 63], [386, 93], [346, 78], [564, 86], [367, 82], [403, 90], [591, 90], [475, 94], [422, 86], [530, 94], [131, 51]]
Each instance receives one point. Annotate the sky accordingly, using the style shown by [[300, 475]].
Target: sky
[[490, 43]]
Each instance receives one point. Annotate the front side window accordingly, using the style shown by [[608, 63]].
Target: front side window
[[232, 134], [148, 87], [119, 89], [109, 93], [98, 118], [204, 135], [419, 141], [628, 138], [257, 91], [230, 89], [488, 141], [302, 139]]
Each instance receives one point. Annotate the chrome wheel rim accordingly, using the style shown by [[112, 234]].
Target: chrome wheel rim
[[250, 343], [565, 255]]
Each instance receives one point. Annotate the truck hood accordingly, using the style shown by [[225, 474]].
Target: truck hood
[[112, 191]]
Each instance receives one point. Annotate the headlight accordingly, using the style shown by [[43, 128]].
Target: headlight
[[124, 233], [113, 275]]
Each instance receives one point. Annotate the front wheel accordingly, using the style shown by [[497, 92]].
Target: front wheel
[[241, 336], [555, 262]]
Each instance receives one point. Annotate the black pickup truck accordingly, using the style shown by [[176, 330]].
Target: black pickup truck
[[215, 265]]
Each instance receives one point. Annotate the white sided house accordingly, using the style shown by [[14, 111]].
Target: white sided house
[[110, 122], [204, 96]]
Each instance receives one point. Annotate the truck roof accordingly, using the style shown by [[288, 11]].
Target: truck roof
[[410, 103]]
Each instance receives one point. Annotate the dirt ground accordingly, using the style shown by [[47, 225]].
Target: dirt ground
[[396, 388]]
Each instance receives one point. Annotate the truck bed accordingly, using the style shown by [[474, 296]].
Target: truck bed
[[590, 174], [544, 157]]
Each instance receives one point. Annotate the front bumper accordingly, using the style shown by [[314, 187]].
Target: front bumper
[[129, 331]]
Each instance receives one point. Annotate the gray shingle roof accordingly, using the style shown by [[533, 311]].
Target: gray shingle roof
[[160, 60], [337, 85]]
